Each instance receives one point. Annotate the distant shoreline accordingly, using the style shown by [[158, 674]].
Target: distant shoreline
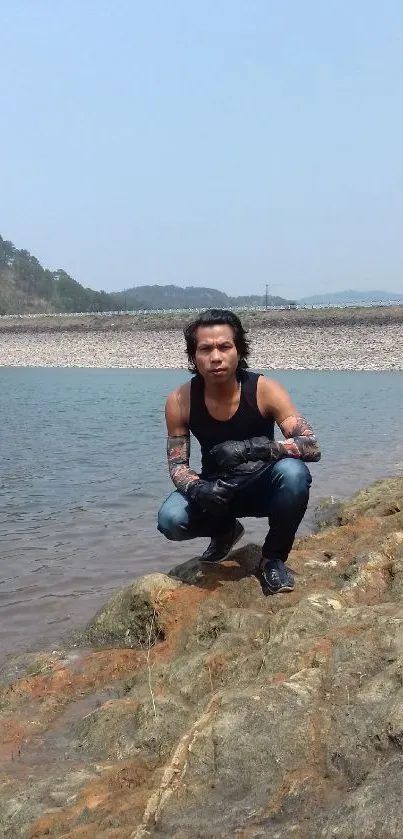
[[342, 345], [161, 321]]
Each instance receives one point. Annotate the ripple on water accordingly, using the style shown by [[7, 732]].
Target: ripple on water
[[84, 472]]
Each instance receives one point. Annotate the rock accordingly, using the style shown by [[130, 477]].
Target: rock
[[371, 810], [130, 618], [194, 572], [327, 513], [396, 576], [213, 711], [141, 724], [382, 498]]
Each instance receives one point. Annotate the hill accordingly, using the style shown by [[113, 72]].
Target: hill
[[26, 287], [175, 297], [350, 297]]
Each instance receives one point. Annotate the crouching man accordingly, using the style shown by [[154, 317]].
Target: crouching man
[[245, 472]]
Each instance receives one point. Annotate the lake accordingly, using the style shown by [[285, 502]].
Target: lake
[[83, 472]]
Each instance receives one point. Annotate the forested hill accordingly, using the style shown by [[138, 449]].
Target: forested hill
[[26, 288], [192, 297]]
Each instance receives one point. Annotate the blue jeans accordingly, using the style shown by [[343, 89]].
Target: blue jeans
[[280, 491]]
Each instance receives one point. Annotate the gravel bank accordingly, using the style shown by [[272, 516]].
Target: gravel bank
[[341, 347]]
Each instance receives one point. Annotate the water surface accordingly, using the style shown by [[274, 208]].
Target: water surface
[[83, 472]]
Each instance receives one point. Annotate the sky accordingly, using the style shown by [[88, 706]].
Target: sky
[[223, 143]]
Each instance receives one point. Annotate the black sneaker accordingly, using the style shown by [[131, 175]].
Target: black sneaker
[[274, 577], [221, 546]]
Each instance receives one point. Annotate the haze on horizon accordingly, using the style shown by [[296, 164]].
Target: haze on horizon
[[222, 144]]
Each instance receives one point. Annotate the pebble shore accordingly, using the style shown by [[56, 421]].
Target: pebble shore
[[340, 347]]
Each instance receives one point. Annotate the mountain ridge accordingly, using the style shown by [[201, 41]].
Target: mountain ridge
[[194, 297], [28, 288], [350, 296]]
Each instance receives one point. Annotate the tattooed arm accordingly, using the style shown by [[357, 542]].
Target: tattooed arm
[[178, 451], [300, 440], [178, 443], [303, 445]]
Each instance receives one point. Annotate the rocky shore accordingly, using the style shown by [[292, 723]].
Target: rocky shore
[[351, 346], [191, 707]]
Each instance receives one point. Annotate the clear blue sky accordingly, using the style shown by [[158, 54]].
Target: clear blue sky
[[224, 143]]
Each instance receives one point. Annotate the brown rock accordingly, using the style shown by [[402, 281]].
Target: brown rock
[[232, 714], [130, 618]]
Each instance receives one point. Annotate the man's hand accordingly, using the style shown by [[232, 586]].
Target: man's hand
[[212, 497], [230, 454]]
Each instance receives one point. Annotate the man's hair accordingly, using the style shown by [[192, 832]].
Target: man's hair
[[216, 317]]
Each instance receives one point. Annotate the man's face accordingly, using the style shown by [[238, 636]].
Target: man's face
[[216, 354]]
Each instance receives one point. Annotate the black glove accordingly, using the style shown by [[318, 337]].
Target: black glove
[[211, 496], [231, 454]]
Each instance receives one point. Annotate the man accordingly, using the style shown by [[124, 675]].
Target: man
[[245, 472]]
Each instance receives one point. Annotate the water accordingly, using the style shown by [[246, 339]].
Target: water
[[83, 472]]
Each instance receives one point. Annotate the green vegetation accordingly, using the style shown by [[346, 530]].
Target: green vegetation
[[174, 297], [26, 287]]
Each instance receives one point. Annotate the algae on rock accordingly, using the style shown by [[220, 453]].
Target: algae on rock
[[208, 711], [130, 618]]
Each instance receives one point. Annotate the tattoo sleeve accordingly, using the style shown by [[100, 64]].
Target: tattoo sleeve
[[178, 452], [300, 440]]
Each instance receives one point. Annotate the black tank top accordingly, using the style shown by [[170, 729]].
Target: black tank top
[[246, 422]]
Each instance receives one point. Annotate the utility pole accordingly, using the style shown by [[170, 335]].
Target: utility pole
[[267, 290]]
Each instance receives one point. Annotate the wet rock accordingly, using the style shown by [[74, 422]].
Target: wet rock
[[233, 714], [382, 498], [194, 572], [327, 513], [130, 618]]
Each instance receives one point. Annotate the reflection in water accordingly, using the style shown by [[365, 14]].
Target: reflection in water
[[83, 473]]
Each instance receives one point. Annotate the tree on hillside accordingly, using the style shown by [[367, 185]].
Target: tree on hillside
[[7, 251], [25, 286]]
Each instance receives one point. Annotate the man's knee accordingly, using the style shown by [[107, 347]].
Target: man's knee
[[293, 475], [173, 519]]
